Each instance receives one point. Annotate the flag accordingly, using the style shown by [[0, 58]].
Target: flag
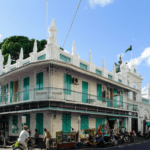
[[129, 49]]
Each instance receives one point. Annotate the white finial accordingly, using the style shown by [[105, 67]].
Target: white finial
[[139, 73], [53, 22], [1, 56], [90, 56], [35, 47], [21, 53], [74, 48], [103, 62], [9, 60], [114, 68]]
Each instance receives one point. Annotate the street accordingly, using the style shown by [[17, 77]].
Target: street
[[144, 145]]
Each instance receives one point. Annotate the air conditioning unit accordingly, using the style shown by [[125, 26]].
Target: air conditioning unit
[[75, 80]]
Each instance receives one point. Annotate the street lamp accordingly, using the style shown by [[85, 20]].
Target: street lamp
[[79, 120]]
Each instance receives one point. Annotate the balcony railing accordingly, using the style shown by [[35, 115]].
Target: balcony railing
[[64, 94]]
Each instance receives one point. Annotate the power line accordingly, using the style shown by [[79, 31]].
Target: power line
[[72, 22]]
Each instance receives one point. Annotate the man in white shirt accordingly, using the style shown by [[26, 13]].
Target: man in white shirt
[[24, 135]]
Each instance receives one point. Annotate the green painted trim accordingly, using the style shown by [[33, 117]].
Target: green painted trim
[[120, 81], [26, 63], [42, 57], [83, 66], [98, 72], [65, 58], [12, 68], [145, 101], [109, 77]]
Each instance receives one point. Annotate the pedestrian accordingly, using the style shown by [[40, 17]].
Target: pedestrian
[[24, 135], [47, 138], [36, 137]]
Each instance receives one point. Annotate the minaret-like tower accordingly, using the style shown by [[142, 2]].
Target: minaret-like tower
[[35, 47], [74, 48], [9, 60], [1, 61], [103, 63], [90, 57], [21, 54], [52, 33]]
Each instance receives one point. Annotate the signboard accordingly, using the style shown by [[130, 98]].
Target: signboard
[[56, 93], [41, 92], [23, 119]]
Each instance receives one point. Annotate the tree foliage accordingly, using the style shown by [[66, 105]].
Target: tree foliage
[[13, 44]]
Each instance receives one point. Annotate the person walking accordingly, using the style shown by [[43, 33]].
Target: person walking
[[47, 138], [36, 136], [24, 135]]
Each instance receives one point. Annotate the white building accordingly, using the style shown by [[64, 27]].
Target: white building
[[53, 88]]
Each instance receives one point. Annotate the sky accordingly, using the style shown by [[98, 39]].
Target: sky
[[106, 27]]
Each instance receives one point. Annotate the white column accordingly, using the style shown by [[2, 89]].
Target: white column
[[129, 124]]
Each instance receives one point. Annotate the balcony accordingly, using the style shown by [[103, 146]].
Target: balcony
[[64, 95]]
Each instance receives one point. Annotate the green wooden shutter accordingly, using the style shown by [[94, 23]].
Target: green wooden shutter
[[38, 81], [14, 123], [27, 120], [39, 123], [41, 80], [121, 99], [11, 91], [6, 97], [99, 92], [66, 123], [84, 122], [84, 92], [100, 121], [67, 84], [26, 88], [115, 99]]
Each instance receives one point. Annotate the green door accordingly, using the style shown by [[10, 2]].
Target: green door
[[121, 99], [124, 122], [84, 92], [39, 123], [84, 122], [15, 124], [99, 92], [11, 91], [26, 88], [39, 81], [115, 98], [66, 123], [67, 84], [100, 121], [27, 120]]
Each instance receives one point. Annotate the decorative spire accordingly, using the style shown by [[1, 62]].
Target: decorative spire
[[120, 61], [74, 48], [103, 62], [52, 27], [1, 56], [114, 68], [21, 54], [35, 47], [9, 60], [148, 85], [90, 56], [139, 73]]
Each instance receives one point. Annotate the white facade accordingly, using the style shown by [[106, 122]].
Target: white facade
[[55, 64]]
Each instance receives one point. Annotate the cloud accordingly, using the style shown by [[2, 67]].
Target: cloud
[[102, 3], [1, 36], [145, 55], [85, 8]]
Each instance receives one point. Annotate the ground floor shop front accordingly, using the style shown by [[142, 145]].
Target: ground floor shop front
[[11, 124]]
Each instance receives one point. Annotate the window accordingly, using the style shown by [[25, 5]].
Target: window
[[134, 96], [14, 124], [66, 123], [98, 72], [42, 57], [109, 77], [11, 91], [83, 66], [134, 70], [65, 58], [67, 84], [120, 81], [145, 101], [100, 121], [39, 123], [39, 81]]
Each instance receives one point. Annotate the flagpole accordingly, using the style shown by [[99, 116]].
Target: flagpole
[[46, 20], [131, 56]]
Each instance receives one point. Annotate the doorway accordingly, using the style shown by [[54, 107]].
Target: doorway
[[111, 124], [111, 97], [15, 90]]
